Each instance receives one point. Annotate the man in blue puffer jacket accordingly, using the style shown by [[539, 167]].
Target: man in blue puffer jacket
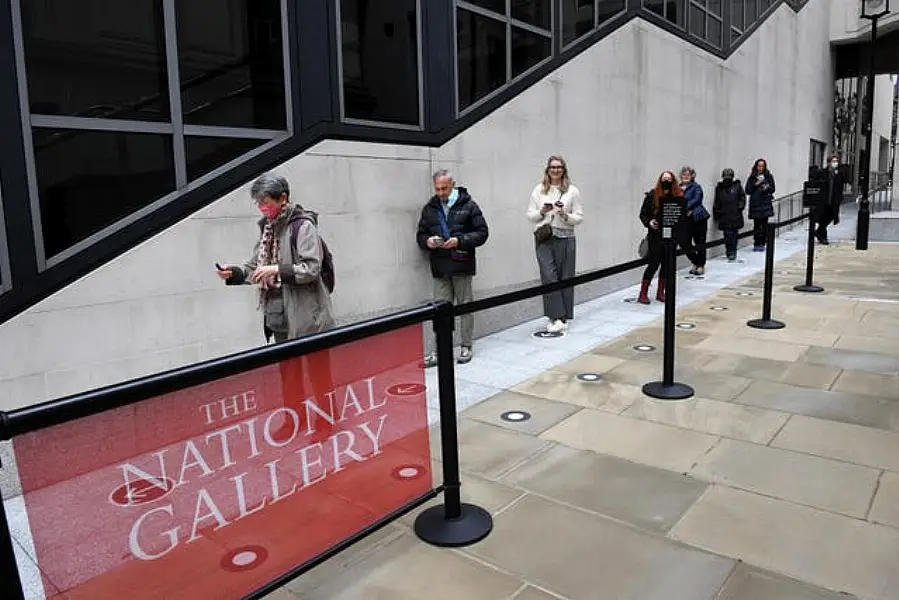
[[698, 219]]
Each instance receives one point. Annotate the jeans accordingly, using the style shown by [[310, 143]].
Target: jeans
[[699, 231]]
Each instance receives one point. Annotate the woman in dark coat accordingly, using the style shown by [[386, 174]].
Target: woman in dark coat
[[727, 210], [651, 217], [760, 189]]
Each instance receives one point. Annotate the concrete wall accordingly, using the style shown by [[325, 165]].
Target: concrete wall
[[639, 101]]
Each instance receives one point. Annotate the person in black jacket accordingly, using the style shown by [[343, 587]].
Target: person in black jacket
[[451, 227], [829, 212], [727, 210], [760, 189], [651, 216]]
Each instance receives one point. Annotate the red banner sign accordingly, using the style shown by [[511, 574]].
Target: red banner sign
[[213, 491]]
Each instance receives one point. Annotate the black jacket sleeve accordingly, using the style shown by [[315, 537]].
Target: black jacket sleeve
[[476, 232], [716, 205], [646, 211], [423, 232]]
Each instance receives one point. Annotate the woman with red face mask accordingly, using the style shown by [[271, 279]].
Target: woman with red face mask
[[286, 265]]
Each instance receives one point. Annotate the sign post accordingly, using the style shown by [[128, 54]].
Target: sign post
[[814, 194], [668, 389]]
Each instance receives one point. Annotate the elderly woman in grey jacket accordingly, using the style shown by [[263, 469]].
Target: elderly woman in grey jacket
[[285, 264]]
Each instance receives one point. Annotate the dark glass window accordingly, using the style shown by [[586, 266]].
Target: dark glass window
[[714, 7], [751, 12], [713, 33], [606, 9], [231, 61], [656, 6], [672, 10], [380, 60], [578, 17], [528, 50], [697, 21], [96, 58], [481, 56], [736, 14], [88, 180], [534, 12], [205, 154], [734, 35], [497, 6]]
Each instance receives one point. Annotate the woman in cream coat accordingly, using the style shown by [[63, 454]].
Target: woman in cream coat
[[555, 201]]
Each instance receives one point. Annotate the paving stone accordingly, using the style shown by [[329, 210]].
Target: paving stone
[[543, 413], [871, 384], [834, 406], [747, 583], [565, 387], [757, 348], [852, 360], [842, 441], [710, 416], [639, 441], [399, 568], [827, 550], [645, 497], [885, 508], [547, 543], [801, 478], [490, 451]]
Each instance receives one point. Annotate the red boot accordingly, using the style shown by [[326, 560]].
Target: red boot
[[643, 298], [660, 293]]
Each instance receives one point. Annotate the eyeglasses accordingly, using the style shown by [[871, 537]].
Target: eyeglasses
[[556, 168]]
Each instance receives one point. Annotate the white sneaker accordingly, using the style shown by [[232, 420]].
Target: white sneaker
[[555, 327], [564, 325]]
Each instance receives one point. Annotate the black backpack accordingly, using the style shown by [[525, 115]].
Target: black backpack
[[327, 268]]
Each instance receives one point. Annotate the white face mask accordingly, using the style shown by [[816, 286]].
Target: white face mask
[[834, 165]]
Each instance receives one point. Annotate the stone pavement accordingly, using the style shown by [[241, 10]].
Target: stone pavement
[[778, 481]]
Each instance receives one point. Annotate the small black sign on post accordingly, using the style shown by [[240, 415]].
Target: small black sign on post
[[814, 194], [667, 388]]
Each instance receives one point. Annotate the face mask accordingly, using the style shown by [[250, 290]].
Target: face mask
[[270, 211], [728, 179], [667, 185], [834, 165]]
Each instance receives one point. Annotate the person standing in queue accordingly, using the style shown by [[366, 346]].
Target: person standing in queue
[[555, 208], [727, 210], [666, 188], [450, 229], [760, 189], [829, 211], [697, 226]]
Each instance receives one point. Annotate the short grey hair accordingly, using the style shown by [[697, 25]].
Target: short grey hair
[[270, 185], [441, 174], [689, 170]]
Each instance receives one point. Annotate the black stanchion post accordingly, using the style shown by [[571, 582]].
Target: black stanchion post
[[9, 569], [808, 286], [668, 389], [455, 523], [766, 322]]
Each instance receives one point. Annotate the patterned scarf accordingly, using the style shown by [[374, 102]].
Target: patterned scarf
[[270, 254]]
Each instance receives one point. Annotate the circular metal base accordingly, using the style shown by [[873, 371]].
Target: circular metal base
[[473, 525], [811, 289], [766, 324], [675, 391]]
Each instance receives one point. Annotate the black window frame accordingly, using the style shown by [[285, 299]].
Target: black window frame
[[420, 49], [174, 127], [596, 23], [6, 282], [708, 16], [509, 23]]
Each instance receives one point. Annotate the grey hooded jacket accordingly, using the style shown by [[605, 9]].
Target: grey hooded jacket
[[307, 303]]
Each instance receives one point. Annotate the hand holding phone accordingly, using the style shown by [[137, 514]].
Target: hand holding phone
[[224, 272], [547, 206]]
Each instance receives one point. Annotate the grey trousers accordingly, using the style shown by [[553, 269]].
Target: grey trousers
[[555, 258], [458, 291]]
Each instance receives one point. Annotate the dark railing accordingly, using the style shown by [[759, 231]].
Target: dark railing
[[452, 524]]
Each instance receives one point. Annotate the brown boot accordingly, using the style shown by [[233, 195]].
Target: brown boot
[[643, 298], [660, 292]]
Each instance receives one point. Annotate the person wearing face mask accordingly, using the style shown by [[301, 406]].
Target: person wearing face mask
[[760, 188], [829, 212], [286, 265], [651, 216], [727, 210]]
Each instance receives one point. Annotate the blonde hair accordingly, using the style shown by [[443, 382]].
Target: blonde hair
[[566, 180]]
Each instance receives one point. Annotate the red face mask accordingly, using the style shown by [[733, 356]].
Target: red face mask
[[270, 211]]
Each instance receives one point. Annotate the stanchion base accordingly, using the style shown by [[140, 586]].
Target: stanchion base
[[472, 526], [811, 289], [766, 324], [675, 391]]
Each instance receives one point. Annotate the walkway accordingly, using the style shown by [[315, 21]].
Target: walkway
[[780, 480]]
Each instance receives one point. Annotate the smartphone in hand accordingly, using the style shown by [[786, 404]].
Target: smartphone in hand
[[219, 267]]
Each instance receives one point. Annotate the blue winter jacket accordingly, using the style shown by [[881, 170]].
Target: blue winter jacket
[[693, 195]]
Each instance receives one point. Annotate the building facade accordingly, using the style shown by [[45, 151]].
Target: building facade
[[134, 130]]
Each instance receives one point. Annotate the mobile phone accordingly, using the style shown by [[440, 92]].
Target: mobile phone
[[547, 204], [219, 267], [560, 203]]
